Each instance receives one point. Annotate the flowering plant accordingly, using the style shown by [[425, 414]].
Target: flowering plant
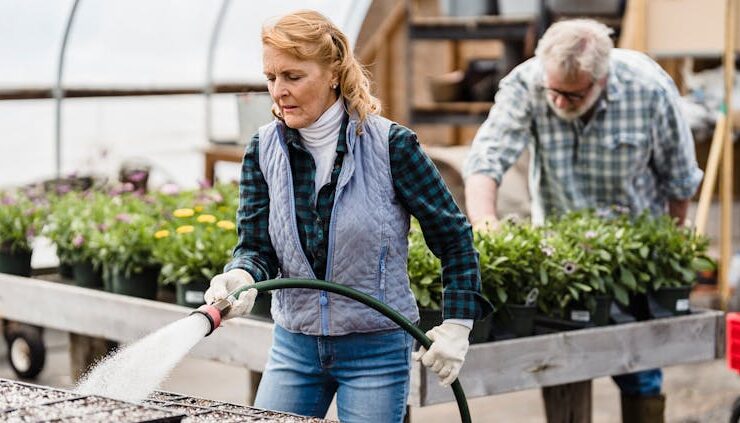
[[193, 246], [20, 220]]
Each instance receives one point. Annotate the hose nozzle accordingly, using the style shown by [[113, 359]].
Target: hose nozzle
[[214, 312]]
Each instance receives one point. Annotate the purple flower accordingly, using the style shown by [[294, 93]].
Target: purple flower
[[127, 187], [136, 176], [78, 241], [102, 227], [590, 234], [8, 201], [124, 217], [169, 189], [205, 184], [63, 188]]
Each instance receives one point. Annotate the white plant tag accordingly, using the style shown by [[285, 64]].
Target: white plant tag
[[682, 304], [194, 296], [580, 315]]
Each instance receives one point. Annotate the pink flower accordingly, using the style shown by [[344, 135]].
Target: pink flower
[[136, 176], [8, 200], [78, 241], [124, 217], [169, 189]]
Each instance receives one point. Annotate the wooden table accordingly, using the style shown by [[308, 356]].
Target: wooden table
[[220, 153], [490, 368]]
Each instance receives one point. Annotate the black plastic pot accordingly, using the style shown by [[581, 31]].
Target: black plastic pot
[[142, 284], [87, 276], [66, 270], [517, 320], [673, 299], [16, 262], [191, 294], [262, 304], [429, 318], [481, 331]]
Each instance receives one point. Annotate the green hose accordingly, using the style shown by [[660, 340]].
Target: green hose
[[369, 301]]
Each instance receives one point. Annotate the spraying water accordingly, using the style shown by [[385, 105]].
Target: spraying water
[[133, 372]]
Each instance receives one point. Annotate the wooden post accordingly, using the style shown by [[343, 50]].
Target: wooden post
[[85, 351], [569, 403], [727, 159], [254, 382]]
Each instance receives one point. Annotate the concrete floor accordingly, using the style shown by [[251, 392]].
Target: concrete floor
[[702, 392]]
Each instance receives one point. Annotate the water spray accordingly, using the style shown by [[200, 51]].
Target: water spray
[[214, 312]]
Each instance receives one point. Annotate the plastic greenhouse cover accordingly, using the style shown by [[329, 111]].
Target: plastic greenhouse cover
[[131, 44], [144, 43]]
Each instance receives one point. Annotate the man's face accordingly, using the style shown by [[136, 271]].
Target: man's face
[[570, 97], [300, 88]]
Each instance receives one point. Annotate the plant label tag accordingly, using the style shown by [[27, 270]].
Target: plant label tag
[[682, 304], [194, 296], [580, 316]]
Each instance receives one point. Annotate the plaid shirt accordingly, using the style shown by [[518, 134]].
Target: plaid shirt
[[636, 151], [419, 188]]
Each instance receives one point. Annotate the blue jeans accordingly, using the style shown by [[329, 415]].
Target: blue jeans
[[644, 383], [369, 372]]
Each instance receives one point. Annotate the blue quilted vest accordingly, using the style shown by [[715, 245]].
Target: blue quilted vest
[[368, 244]]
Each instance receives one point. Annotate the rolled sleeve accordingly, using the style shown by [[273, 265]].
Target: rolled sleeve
[[677, 171], [506, 132]]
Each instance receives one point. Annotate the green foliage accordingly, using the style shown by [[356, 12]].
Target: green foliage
[[510, 263], [21, 213], [424, 269]]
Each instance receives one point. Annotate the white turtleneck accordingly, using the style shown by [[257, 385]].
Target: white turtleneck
[[320, 139]]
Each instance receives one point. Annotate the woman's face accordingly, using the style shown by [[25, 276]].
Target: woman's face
[[302, 89]]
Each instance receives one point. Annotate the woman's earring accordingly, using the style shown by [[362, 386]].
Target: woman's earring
[[333, 86]]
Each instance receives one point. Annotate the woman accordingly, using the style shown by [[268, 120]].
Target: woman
[[326, 193]]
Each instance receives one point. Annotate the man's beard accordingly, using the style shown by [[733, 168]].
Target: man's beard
[[571, 115]]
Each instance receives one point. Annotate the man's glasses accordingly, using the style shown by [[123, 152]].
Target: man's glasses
[[572, 96]]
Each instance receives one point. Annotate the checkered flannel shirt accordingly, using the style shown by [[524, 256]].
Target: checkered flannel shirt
[[636, 151], [419, 188]]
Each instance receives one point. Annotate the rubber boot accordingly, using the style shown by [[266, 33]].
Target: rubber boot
[[643, 409]]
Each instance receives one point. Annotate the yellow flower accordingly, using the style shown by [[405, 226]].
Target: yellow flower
[[223, 209], [185, 229], [199, 208], [207, 218], [226, 224], [164, 233], [183, 213]]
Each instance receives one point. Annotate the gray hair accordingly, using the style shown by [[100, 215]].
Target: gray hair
[[577, 45]]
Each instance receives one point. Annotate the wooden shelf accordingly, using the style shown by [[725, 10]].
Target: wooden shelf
[[457, 113], [470, 28]]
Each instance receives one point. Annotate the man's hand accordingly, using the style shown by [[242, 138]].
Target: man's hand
[[480, 201], [447, 353], [223, 284]]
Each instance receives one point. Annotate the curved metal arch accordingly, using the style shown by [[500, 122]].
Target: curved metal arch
[[58, 91], [208, 90]]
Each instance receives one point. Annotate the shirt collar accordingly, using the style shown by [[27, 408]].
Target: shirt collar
[[293, 137]]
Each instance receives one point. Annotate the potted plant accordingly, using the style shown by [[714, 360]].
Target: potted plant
[[511, 275], [193, 247], [126, 245], [20, 220], [676, 253]]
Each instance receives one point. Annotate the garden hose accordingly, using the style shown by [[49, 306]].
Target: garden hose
[[215, 311]]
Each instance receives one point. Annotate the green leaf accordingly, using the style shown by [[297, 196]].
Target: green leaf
[[620, 294], [644, 251], [627, 278]]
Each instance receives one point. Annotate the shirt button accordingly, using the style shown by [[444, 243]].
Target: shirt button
[[323, 301]]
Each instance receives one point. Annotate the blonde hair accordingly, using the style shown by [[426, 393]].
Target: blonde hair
[[578, 44], [309, 35]]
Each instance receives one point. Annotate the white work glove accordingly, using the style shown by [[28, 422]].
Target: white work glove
[[223, 284], [447, 353]]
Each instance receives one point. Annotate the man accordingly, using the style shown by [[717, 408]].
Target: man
[[603, 128]]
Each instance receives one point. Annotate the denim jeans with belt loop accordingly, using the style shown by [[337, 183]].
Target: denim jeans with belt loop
[[369, 372]]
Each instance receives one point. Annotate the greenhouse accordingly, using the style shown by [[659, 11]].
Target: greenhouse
[[369, 211]]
